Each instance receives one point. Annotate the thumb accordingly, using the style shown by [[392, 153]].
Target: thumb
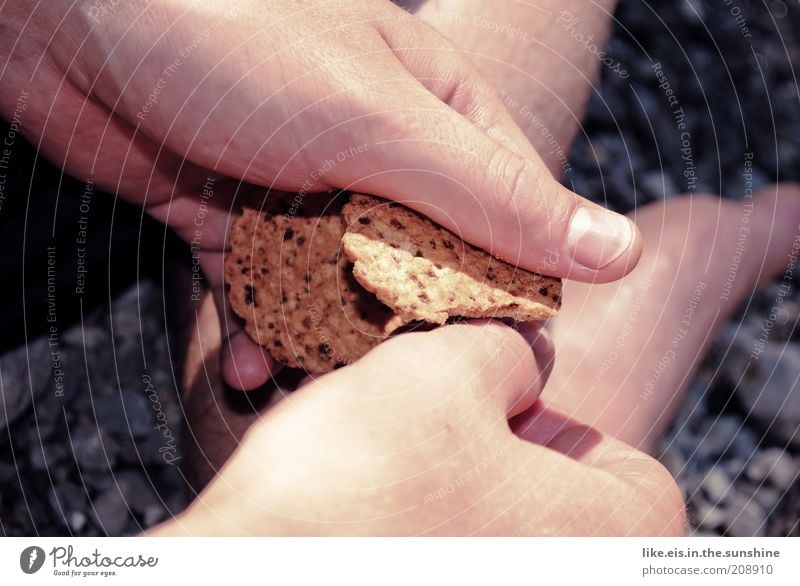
[[481, 362], [447, 147]]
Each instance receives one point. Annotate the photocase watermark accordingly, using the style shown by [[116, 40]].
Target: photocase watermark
[[51, 316], [512, 33], [470, 474], [680, 335], [743, 232], [538, 125], [81, 239], [182, 57], [169, 449], [102, 8], [784, 290], [627, 329], [68, 563], [31, 559], [570, 23], [6, 150], [195, 244], [747, 175], [313, 178], [325, 347], [549, 261], [738, 15], [687, 153]]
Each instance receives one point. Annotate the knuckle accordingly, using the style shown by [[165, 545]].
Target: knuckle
[[510, 171], [486, 354], [665, 501]]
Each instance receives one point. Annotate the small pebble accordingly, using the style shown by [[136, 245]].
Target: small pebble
[[77, 520], [717, 485], [776, 465], [767, 497], [111, 514], [708, 515], [721, 435], [745, 517]]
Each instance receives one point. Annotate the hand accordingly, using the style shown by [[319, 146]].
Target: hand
[[171, 104], [414, 439]]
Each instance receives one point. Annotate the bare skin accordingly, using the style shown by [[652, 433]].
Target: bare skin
[[577, 415], [373, 448], [546, 66], [414, 439], [528, 52], [155, 101], [611, 338]]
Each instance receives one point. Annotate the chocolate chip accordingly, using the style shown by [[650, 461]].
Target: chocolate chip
[[288, 234], [543, 291], [250, 295], [364, 220], [397, 224]]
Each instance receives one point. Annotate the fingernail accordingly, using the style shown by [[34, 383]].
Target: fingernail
[[598, 237], [538, 338]]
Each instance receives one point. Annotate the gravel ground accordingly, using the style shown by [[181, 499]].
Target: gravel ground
[[95, 448], [735, 447]]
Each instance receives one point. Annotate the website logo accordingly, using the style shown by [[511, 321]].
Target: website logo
[[31, 559]]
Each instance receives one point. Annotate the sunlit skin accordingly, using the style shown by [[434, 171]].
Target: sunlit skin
[[152, 100], [454, 431]]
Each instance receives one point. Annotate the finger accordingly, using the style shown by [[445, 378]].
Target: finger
[[692, 243], [245, 364], [202, 219], [447, 72], [631, 493], [486, 361], [446, 146]]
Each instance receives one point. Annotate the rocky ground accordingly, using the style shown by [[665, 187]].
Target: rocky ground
[[93, 451], [735, 447]]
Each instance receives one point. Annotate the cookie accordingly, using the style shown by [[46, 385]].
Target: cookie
[[425, 272], [294, 288]]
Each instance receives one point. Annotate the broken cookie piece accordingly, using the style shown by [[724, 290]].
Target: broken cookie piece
[[425, 272], [294, 288]]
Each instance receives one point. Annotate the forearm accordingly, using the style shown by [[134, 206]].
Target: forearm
[[542, 55]]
